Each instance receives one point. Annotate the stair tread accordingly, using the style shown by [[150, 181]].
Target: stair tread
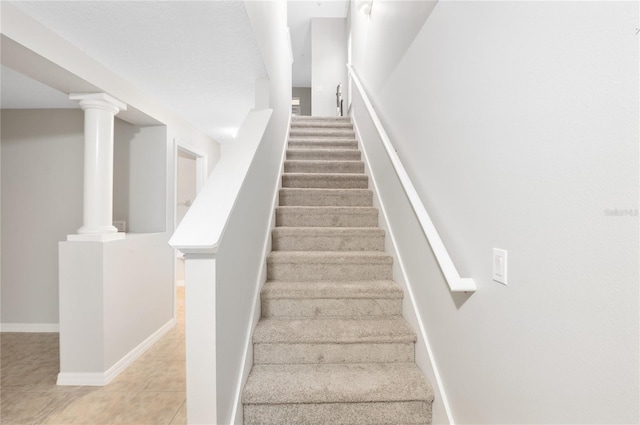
[[323, 139], [321, 132], [328, 231], [331, 290], [320, 124], [326, 190], [327, 215], [319, 118], [336, 383], [336, 176], [330, 257], [327, 208], [295, 196], [322, 150], [338, 330], [324, 180], [323, 161], [322, 153]]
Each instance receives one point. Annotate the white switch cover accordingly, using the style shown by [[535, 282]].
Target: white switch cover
[[500, 265]]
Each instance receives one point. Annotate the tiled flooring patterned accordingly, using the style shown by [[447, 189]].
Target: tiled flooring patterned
[[149, 392]]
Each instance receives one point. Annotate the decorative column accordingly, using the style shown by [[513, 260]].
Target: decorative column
[[99, 112]]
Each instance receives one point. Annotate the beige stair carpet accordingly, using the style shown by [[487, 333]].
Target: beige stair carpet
[[332, 346]]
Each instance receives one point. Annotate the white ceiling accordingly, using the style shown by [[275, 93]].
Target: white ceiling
[[199, 58], [299, 21]]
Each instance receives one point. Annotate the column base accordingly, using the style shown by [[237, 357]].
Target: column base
[[98, 237]]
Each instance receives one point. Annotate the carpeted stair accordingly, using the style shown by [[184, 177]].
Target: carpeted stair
[[332, 346]]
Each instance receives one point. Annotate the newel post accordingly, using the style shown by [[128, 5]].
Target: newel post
[[200, 336]]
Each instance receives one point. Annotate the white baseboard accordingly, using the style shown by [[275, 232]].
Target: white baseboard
[[30, 327], [100, 379]]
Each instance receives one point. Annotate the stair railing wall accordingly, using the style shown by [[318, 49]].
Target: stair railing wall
[[208, 289], [455, 282], [416, 261]]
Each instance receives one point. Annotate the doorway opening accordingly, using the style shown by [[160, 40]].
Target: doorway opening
[[190, 176]]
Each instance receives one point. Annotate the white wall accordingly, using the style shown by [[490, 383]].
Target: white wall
[[123, 133], [328, 64], [127, 290], [148, 181], [518, 123], [42, 169]]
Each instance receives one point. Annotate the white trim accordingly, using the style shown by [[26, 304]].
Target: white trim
[[101, 379], [405, 277], [255, 314], [202, 164], [456, 283], [94, 379], [30, 327]]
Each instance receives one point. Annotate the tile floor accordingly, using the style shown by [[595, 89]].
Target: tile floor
[[150, 391]]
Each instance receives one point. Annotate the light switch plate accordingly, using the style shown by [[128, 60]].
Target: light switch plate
[[500, 265]]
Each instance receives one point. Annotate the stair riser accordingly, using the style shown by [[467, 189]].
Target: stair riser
[[296, 242], [322, 144], [328, 307], [332, 272], [405, 412], [321, 124], [325, 154], [323, 167], [340, 181], [313, 118], [368, 218], [322, 132], [359, 198], [267, 353]]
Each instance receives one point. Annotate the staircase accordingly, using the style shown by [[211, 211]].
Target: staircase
[[332, 346]]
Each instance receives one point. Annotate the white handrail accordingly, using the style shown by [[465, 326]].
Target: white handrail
[[203, 225], [455, 282]]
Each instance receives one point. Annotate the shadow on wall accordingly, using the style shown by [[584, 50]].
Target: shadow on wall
[[459, 298]]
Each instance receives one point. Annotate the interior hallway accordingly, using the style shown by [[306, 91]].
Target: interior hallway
[[150, 391]]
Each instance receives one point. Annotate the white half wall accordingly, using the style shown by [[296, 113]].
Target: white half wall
[[126, 288], [328, 64], [42, 172], [518, 124]]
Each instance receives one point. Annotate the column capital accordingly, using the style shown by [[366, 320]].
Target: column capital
[[98, 101]]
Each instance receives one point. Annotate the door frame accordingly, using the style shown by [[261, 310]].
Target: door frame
[[202, 162]]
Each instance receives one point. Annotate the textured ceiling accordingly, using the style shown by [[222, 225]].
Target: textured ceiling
[[300, 13], [198, 58]]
